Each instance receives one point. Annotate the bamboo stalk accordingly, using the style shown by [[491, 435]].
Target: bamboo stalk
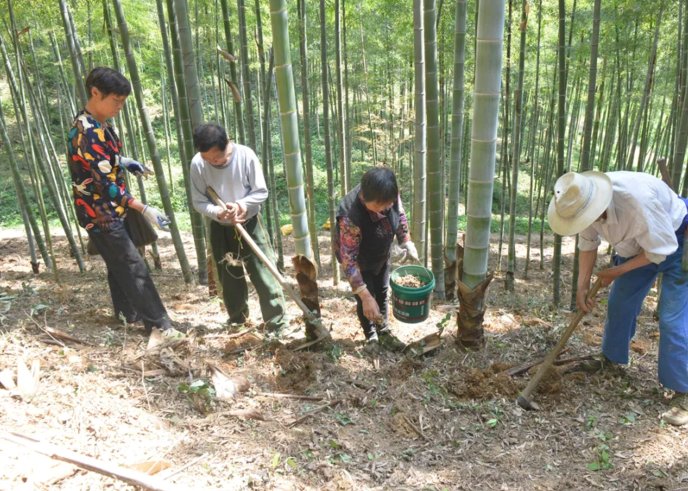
[[129, 476]]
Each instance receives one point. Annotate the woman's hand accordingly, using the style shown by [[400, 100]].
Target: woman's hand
[[371, 309]]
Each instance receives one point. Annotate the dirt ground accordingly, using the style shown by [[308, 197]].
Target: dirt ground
[[447, 420]]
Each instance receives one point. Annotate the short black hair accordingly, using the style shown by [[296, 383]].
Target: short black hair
[[107, 81], [379, 185], [210, 135]]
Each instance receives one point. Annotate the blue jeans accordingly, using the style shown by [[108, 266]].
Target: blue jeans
[[625, 301]]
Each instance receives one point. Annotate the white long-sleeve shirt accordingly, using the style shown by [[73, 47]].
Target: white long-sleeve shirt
[[242, 181], [643, 216]]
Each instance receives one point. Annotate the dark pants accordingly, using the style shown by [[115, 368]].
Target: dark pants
[[378, 285], [232, 255], [133, 293]]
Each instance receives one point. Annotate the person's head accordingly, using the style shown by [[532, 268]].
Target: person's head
[[107, 91], [579, 200], [211, 141], [379, 189]]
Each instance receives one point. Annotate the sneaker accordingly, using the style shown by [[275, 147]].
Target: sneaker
[[597, 364], [678, 414], [372, 346], [390, 342]]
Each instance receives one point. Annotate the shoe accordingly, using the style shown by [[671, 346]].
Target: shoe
[[597, 364], [158, 337], [390, 342], [372, 346], [678, 414]]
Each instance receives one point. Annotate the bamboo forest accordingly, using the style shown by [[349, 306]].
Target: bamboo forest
[[343, 244]]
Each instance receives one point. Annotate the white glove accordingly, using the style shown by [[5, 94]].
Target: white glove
[[411, 251], [156, 218], [134, 167]]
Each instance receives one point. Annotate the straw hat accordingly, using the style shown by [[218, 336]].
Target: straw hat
[[579, 200]]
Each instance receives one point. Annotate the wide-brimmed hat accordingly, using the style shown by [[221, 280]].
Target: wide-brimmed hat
[[579, 199]]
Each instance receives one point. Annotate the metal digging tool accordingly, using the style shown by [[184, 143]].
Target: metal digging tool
[[524, 399], [323, 334]]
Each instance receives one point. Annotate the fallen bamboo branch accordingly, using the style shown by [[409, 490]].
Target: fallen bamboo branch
[[130, 476], [173, 472], [415, 428], [313, 411], [525, 366], [279, 395], [563, 361]]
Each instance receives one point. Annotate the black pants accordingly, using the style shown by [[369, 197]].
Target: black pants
[[233, 256], [133, 293], [378, 285]]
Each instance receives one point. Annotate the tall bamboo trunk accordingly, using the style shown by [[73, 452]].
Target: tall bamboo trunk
[[246, 75], [32, 229], [561, 125], [344, 172], [435, 181], [289, 126], [516, 149], [455, 160], [308, 145], [191, 115], [328, 149], [474, 279], [585, 163], [419, 208], [150, 140]]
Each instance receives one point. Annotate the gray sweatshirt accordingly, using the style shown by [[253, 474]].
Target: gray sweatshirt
[[242, 181]]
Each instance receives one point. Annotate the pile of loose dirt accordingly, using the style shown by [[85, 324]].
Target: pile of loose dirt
[[479, 383], [297, 370]]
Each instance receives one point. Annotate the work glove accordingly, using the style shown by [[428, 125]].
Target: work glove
[[410, 251], [156, 218], [134, 167]]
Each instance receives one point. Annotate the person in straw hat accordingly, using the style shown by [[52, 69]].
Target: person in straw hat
[[645, 221]]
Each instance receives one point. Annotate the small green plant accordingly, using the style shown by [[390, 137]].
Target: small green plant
[[603, 461], [27, 289], [200, 393], [110, 338], [496, 416], [343, 419], [628, 419], [443, 322], [338, 456], [335, 353]]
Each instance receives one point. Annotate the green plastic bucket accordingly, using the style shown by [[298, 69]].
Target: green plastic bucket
[[410, 304]]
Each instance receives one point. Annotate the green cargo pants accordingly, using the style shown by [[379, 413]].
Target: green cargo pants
[[229, 252]]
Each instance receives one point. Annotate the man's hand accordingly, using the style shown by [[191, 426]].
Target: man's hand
[[156, 218], [608, 275], [134, 167], [371, 310], [233, 213], [582, 302], [410, 251]]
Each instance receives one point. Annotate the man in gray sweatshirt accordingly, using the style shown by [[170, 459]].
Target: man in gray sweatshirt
[[235, 174]]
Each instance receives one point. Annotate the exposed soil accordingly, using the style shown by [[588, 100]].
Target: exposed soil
[[322, 418]]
